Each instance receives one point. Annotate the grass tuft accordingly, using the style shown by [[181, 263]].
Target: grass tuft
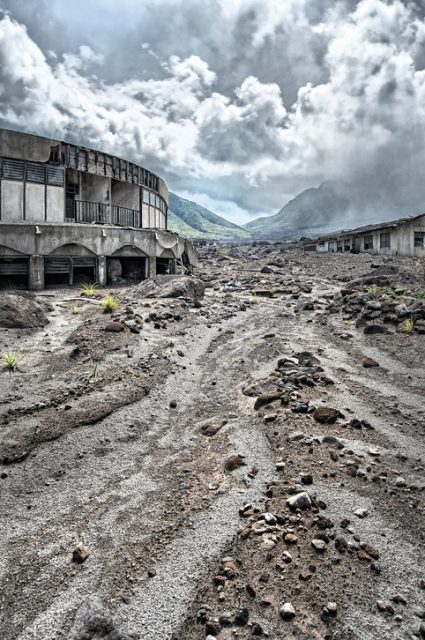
[[407, 326], [110, 304], [11, 359], [88, 290]]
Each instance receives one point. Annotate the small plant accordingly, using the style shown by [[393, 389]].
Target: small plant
[[109, 304], [420, 295], [407, 326], [88, 290], [389, 291], [11, 359], [93, 371], [374, 291], [75, 309]]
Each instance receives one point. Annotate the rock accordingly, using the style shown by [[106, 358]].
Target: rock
[[330, 610], [173, 404], [325, 415], [22, 311], [287, 611], [94, 622], [171, 286], [372, 329], [340, 544], [400, 482], [234, 462], [212, 426], [361, 513], [371, 551], [266, 398], [291, 538], [80, 553], [333, 441], [114, 270], [115, 327], [318, 545], [299, 501], [306, 478], [242, 617], [370, 362], [401, 310]]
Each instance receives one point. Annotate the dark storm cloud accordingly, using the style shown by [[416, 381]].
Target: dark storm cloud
[[247, 101]]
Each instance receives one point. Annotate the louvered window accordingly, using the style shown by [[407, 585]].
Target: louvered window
[[36, 173], [13, 169], [55, 176]]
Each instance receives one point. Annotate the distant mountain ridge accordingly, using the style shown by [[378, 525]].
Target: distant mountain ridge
[[194, 221], [311, 212]]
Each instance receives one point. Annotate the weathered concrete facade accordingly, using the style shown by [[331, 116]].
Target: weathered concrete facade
[[404, 237], [69, 213]]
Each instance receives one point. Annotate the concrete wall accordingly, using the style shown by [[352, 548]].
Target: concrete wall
[[35, 195], [94, 188], [124, 194], [12, 200], [55, 204], [24, 146]]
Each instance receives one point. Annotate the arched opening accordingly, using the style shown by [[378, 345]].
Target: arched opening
[[70, 264], [13, 269], [166, 263], [128, 264]]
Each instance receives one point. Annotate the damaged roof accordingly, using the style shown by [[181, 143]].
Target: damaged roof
[[391, 224]]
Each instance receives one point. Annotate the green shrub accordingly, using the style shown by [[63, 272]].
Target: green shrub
[[110, 304], [88, 290], [407, 326], [11, 359], [374, 291]]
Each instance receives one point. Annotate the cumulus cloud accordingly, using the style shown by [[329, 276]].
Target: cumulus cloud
[[342, 98]]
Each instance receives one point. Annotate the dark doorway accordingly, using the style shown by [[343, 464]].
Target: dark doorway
[[14, 273], [165, 266]]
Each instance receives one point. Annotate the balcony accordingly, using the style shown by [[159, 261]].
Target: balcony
[[100, 213]]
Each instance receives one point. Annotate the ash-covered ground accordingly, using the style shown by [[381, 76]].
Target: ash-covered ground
[[248, 463]]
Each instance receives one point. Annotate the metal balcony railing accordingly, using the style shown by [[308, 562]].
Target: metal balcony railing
[[98, 213], [124, 216]]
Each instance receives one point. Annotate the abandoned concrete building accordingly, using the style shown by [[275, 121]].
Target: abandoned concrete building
[[403, 237], [69, 214]]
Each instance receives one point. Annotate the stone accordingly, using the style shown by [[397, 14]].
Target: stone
[[372, 329], [80, 553], [325, 415], [306, 478], [171, 286], [242, 617], [361, 513], [234, 462], [340, 544], [115, 327], [330, 610], [267, 398], [173, 404], [93, 621], [370, 362], [400, 482], [212, 426], [299, 501], [333, 441], [22, 311], [291, 538], [318, 545], [287, 611]]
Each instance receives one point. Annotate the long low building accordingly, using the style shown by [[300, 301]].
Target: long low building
[[70, 214], [403, 237]]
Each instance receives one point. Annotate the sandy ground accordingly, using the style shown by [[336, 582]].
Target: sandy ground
[[93, 452]]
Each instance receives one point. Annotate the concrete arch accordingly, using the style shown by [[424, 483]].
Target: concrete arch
[[9, 252], [129, 251], [72, 249], [168, 253]]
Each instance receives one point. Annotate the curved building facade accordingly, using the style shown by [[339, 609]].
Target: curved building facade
[[69, 212]]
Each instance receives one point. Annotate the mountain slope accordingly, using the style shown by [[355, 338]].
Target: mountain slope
[[193, 221], [313, 211]]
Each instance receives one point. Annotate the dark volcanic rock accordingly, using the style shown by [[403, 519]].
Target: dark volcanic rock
[[94, 622], [22, 311], [325, 415], [172, 287]]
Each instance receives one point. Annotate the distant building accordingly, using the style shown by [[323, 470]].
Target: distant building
[[404, 237], [68, 214]]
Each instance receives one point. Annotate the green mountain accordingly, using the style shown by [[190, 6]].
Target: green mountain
[[193, 221], [313, 211]]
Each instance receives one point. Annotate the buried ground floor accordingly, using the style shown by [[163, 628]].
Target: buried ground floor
[[38, 256]]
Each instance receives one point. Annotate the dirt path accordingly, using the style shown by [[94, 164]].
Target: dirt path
[[147, 492]]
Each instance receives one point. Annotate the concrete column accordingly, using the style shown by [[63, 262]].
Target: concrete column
[[36, 273], [152, 266], [102, 276]]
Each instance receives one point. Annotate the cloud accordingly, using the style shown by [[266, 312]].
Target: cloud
[[273, 98]]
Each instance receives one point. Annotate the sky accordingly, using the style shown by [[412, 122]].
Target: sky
[[238, 104]]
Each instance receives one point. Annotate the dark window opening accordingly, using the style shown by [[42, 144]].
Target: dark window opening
[[13, 169], [36, 173], [368, 242], [420, 239], [385, 241], [55, 176]]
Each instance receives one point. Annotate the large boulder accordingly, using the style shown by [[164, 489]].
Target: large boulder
[[23, 311], [172, 287]]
